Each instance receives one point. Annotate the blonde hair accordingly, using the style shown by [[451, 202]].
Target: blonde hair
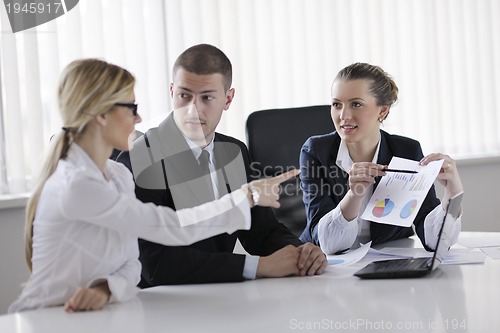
[[87, 88]]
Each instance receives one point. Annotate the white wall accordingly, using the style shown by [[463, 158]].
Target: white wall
[[14, 270], [481, 199], [481, 204]]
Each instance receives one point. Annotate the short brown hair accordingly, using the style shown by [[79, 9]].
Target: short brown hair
[[205, 59]]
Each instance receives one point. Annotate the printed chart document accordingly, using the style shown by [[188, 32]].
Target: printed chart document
[[399, 196], [350, 257]]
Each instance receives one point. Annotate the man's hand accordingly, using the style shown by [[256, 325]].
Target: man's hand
[[312, 260], [307, 259], [279, 264]]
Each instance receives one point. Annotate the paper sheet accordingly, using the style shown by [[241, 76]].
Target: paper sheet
[[473, 240], [493, 252], [454, 256], [350, 257], [460, 257], [399, 196], [399, 252]]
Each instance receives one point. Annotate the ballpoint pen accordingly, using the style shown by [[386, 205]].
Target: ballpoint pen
[[400, 171]]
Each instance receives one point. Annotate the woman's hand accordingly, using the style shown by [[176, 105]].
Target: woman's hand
[[268, 189], [89, 299], [362, 176], [448, 175]]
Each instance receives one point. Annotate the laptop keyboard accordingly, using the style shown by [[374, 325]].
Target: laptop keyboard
[[403, 264]]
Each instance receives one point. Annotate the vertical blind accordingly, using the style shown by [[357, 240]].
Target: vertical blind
[[443, 54]]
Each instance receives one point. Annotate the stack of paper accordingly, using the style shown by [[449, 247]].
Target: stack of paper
[[454, 257], [488, 243]]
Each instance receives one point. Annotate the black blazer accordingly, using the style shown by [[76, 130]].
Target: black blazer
[[324, 184], [210, 260]]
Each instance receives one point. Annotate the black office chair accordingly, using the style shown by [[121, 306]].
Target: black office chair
[[274, 139]]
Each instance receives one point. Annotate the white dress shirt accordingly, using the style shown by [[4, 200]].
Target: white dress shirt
[[335, 233], [251, 262], [87, 224], [211, 161]]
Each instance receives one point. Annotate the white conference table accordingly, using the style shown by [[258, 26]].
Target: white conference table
[[454, 298]]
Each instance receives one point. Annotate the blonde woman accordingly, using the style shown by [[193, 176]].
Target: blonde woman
[[83, 220]]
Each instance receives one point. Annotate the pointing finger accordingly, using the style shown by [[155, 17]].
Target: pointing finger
[[285, 176]]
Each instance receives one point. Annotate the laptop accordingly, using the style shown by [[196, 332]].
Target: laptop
[[416, 267]]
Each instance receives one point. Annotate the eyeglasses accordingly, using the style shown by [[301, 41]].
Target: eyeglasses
[[131, 106]]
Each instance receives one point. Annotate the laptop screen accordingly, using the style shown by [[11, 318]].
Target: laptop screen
[[444, 241]]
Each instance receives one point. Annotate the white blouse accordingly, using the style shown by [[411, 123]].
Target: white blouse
[[87, 224]]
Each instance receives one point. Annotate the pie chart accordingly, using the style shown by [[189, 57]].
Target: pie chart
[[408, 209], [383, 208]]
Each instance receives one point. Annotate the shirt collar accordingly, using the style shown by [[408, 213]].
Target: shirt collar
[[344, 160], [197, 150], [79, 157]]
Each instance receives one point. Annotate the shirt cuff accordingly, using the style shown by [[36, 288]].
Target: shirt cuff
[[336, 219], [335, 233], [250, 267], [432, 226], [120, 289]]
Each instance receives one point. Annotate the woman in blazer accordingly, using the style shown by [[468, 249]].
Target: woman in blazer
[[340, 170], [83, 219]]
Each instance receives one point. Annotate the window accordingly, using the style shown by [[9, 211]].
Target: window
[[443, 54]]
